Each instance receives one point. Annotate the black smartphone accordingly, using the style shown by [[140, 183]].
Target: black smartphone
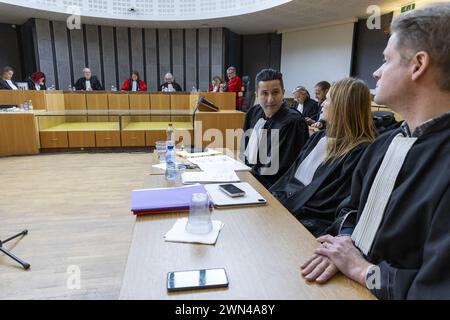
[[196, 279], [232, 190]]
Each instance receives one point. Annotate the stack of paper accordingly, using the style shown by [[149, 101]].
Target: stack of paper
[[218, 176], [224, 162]]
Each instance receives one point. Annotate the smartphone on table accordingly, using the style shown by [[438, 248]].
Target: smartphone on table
[[232, 190], [196, 279]]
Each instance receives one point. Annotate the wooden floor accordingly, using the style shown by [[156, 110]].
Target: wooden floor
[[77, 210]]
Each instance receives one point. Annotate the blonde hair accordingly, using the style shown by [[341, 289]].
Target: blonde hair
[[350, 120]]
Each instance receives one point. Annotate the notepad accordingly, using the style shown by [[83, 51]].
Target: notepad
[[217, 176], [222, 200], [163, 200]]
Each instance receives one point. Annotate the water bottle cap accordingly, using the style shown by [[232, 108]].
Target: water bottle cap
[[170, 147]]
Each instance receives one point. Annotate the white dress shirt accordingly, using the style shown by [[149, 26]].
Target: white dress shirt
[[12, 85]]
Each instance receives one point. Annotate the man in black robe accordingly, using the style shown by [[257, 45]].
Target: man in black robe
[[274, 132], [398, 211], [308, 107], [88, 82]]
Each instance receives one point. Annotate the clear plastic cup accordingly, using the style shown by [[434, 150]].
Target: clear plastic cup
[[180, 169], [199, 221]]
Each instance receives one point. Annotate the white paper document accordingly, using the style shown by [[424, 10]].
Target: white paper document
[[185, 154], [223, 162], [178, 233], [217, 176]]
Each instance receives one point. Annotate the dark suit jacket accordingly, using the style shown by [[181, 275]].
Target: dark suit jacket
[[31, 85], [95, 84], [175, 85], [310, 109], [5, 86]]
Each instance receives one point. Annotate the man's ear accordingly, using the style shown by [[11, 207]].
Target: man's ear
[[420, 63]]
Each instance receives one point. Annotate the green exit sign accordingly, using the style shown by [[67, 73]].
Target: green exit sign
[[408, 7]]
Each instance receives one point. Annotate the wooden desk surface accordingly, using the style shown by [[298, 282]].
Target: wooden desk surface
[[261, 249]]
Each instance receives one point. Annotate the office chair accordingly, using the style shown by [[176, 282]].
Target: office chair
[[24, 264]]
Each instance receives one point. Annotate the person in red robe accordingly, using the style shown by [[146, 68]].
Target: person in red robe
[[235, 85], [134, 83]]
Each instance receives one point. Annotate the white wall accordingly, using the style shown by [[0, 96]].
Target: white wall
[[312, 55]]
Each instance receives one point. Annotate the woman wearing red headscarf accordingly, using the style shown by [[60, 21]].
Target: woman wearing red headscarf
[[37, 81]]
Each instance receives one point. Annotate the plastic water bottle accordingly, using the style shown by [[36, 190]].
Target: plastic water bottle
[[170, 134], [113, 88], [171, 171], [194, 89], [70, 87], [30, 105]]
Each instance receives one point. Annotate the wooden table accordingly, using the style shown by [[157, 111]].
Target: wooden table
[[261, 249]]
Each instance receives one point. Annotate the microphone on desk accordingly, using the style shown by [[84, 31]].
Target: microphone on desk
[[202, 105]]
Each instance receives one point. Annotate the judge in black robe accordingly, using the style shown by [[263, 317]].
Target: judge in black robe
[[293, 134], [314, 204], [166, 87], [95, 84], [412, 244]]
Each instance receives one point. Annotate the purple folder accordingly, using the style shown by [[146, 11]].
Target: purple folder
[[164, 199]]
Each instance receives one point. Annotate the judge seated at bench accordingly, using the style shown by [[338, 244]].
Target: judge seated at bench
[[320, 178], [169, 84], [274, 132], [88, 82], [134, 83], [36, 81], [217, 85], [6, 82], [392, 234]]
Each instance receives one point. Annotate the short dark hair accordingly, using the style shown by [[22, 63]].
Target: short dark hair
[[323, 85], [269, 75]]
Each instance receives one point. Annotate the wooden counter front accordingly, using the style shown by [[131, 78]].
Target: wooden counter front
[[18, 134]]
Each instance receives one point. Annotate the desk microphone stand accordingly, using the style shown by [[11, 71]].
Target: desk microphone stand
[[202, 105], [25, 265]]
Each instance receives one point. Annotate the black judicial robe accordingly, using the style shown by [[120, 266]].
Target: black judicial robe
[[315, 205], [310, 109], [32, 86], [5, 86], [95, 84], [293, 133], [412, 245], [175, 85]]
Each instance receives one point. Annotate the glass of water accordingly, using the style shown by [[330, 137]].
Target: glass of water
[[161, 148], [199, 221]]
